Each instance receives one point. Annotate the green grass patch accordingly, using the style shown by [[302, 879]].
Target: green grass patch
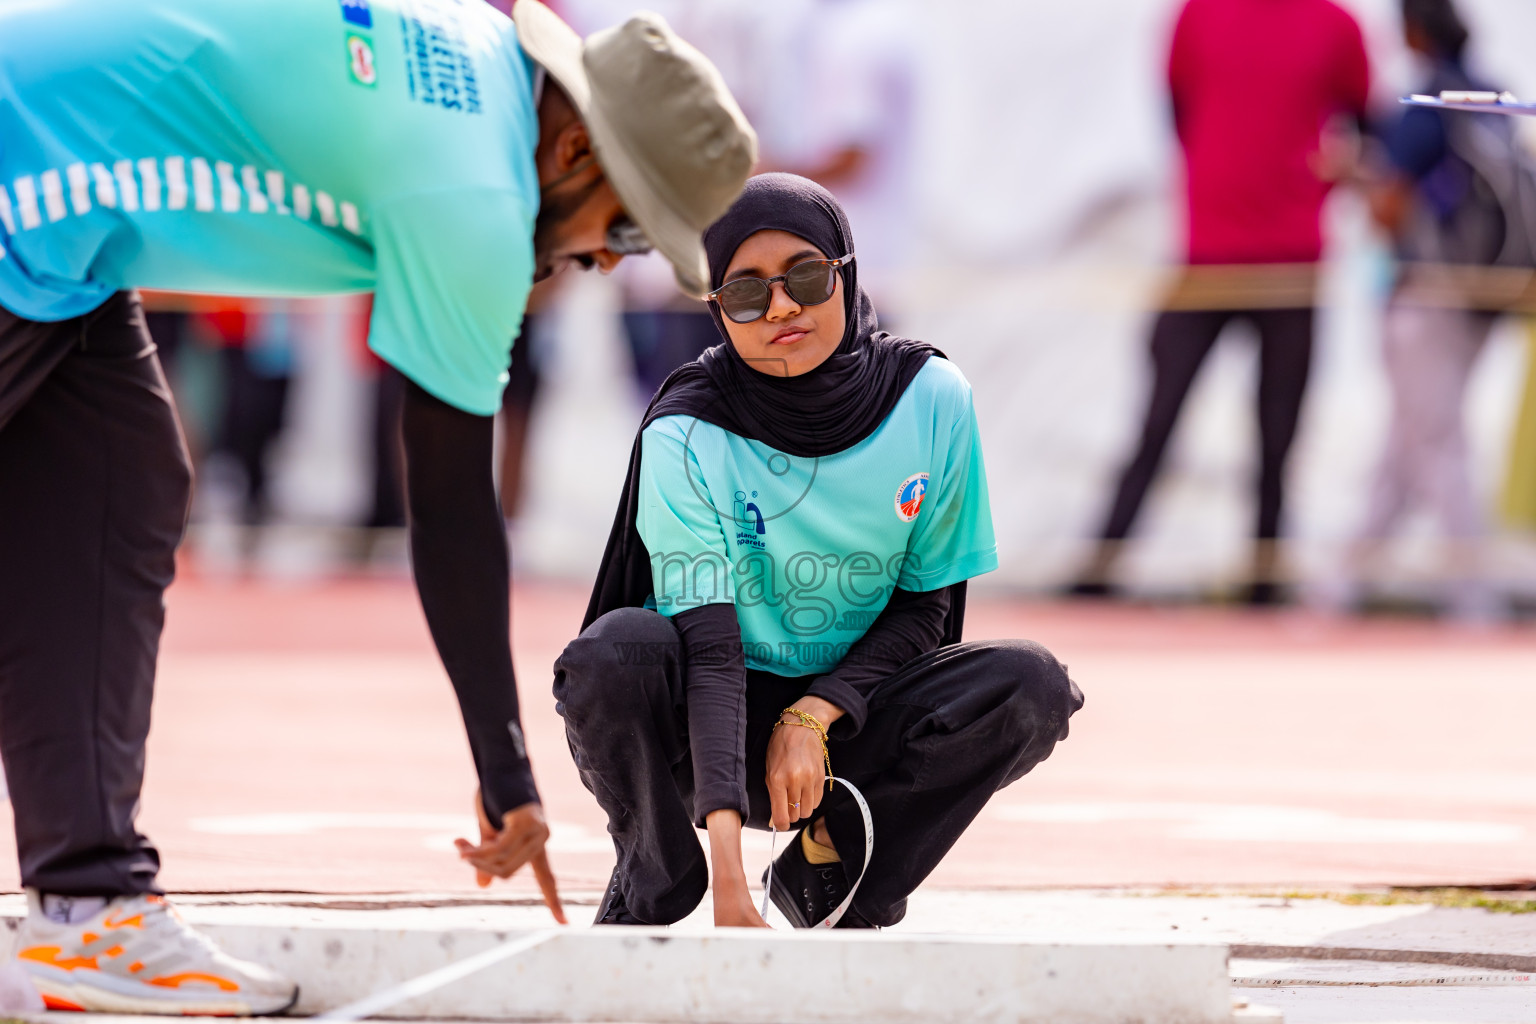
[[1472, 898], [1476, 899]]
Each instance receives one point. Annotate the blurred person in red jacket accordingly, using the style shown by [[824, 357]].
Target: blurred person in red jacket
[[1255, 88]]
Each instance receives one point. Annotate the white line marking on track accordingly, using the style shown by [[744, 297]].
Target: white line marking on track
[[433, 980], [1261, 823], [442, 829]]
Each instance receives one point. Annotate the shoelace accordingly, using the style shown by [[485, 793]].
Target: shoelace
[[163, 923], [828, 894]]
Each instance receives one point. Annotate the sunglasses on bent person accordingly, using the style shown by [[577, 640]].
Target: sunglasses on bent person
[[623, 238], [626, 238], [810, 283]]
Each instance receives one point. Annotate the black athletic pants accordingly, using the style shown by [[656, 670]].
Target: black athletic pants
[[1180, 342], [944, 733], [94, 488]]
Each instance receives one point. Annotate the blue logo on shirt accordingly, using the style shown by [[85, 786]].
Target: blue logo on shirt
[[750, 526], [357, 12]]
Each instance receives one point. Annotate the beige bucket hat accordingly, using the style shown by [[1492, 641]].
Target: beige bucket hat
[[667, 132]]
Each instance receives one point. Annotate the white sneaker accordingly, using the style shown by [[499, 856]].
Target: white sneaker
[[138, 956]]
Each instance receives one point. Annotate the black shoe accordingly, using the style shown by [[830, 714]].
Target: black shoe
[[1265, 594], [806, 893], [1096, 590], [613, 910]]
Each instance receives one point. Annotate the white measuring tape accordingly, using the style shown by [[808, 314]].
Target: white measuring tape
[[869, 850], [1449, 981]]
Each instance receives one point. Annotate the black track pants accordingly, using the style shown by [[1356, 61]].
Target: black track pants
[[944, 733], [1181, 340], [94, 486]]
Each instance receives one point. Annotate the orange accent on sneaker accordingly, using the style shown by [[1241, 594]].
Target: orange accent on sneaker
[[89, 937], [55, 1003], [177, 980], [50, 955], [135, 967], [136, 921], [115, 951]]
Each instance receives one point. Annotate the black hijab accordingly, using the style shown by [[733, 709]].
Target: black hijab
[[822, 412]]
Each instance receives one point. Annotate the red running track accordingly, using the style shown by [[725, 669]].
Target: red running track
[[306, 739]]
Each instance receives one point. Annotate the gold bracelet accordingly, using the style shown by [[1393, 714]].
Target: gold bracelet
[[810, 722], [807, 719]]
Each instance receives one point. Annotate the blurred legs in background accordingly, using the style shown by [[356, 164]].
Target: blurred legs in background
[[387, 510], [523, 381], [169, 330], [1429, 355], [1181, 339], [661, 340], [233, 372], [255, 403]]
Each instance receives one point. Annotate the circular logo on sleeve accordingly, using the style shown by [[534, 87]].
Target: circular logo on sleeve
[[909, 496]]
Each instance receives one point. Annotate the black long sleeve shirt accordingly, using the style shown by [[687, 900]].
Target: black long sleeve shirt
[[715, 680], [459, 557]]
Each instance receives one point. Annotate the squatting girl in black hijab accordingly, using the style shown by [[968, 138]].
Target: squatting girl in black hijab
[[782, 597]]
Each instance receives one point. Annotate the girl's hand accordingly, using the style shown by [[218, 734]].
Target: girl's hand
[[733, 901], [796, 766]]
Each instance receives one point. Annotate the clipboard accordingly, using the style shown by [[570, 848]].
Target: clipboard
[[1473, 102]]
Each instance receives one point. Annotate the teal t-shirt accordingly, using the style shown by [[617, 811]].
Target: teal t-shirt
[[286, 147], [809, 550]]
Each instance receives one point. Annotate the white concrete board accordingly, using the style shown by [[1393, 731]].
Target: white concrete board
[[748, 977]]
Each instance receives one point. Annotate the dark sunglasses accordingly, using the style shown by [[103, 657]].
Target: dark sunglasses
[[809, 283], [625, 238]]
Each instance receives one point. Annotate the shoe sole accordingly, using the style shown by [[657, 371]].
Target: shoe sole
[[88, 998]]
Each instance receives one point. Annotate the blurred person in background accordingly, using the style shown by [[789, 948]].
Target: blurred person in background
[[1255, 87], [847, 120], [169, 327], [1450, 196], [152, 144], [662, 328], [525, 379], [844, 120], [256, 362]]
